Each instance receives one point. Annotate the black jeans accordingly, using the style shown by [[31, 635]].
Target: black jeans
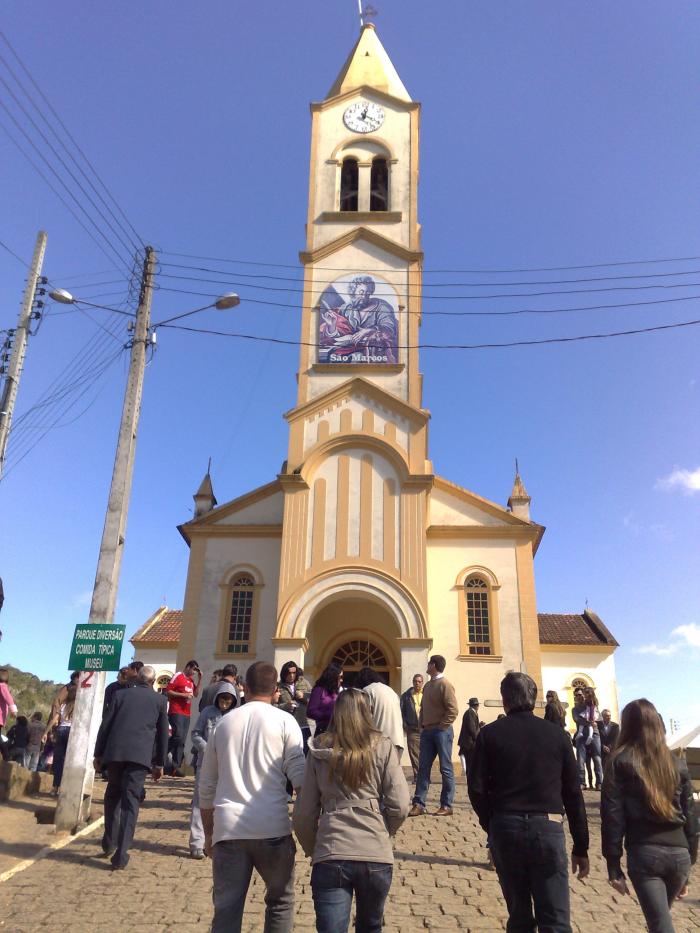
[[332, 884], [179, 724], [529, 852], [657, 874], [123, 797]]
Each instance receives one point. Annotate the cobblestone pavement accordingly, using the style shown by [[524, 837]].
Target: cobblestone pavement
[[440, 881]]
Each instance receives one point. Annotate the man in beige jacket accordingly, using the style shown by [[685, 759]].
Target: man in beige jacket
[[438, 711]]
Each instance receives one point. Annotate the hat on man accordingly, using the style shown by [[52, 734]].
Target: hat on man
[[473, 701]]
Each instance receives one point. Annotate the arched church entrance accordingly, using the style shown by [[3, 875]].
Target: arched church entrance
[[355, 633], [358, 653]]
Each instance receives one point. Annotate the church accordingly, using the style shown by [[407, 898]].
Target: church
[[357, 552]]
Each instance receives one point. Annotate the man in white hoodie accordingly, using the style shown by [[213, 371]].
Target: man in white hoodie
[[243, 801]]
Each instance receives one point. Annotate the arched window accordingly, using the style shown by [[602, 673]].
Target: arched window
[[379, 185], [359, 653], [477, 598], [349, 185], [241, 615], [476, 593]]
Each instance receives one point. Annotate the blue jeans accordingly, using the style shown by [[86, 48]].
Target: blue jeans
[[657, 874], [60, 746], [529, 852], [435, 743], [581, 751], [233, 861], [332, 884]]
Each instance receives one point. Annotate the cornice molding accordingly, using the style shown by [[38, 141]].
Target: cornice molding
[[366, 91], [358, 386], [360, 233], [237, 531], [479, 531]]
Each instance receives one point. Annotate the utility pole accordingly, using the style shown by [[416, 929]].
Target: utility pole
[[78, 774], [19, 346]]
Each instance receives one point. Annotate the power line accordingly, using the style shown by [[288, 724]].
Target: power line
[[300, 279], [424, 297], [281, 265], [61, 160], [13, 253], [71, 138], [14, 460], [514, 312], [446, 346], [60, 196]]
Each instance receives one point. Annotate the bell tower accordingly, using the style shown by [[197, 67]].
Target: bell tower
[[357, 475], [362, 232]]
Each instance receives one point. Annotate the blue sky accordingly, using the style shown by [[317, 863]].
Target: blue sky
[[554, 134]]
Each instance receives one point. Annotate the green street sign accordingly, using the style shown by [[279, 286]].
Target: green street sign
[[96, 647]]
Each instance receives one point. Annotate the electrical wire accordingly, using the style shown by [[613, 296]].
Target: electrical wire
[[514, 312], [281, 265], [72, 140], [446, 346], [60, 179], [117, 232], [60, 196], [424, 297], [15, 458], [298, 279], [13, 253]]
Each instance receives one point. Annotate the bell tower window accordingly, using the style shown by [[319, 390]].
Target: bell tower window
[[379, 185], [349, 185]]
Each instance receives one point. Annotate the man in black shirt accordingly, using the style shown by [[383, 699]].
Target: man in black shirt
[[522, 778]]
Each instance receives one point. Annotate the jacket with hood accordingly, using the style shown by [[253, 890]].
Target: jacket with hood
[[209, 718], [332, 822]]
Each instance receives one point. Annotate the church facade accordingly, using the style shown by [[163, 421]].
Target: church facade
[[357, 552]]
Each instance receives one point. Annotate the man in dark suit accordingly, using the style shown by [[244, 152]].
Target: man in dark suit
[[133, 740], [468, 733], [609, 734]]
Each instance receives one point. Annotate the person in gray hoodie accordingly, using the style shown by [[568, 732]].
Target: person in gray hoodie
[[353, 800], [225, 700]]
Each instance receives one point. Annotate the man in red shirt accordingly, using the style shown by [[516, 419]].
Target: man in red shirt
[[180, 691]]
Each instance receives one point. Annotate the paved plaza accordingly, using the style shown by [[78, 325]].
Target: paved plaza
[[441, 881]]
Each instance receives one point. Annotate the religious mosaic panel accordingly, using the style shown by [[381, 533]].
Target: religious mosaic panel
[[358, 322]]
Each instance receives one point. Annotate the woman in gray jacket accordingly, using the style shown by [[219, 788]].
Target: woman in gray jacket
[[353, 800]]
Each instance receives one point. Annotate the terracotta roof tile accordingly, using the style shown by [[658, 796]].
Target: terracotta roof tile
[[572, 629], [163, 626]]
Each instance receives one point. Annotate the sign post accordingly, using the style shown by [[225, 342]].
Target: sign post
[[96, 647]]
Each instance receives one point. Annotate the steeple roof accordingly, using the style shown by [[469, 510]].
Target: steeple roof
[[519, 491], [206, 488], [368, 65]]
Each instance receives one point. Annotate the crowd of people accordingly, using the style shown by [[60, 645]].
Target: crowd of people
[[31, 742], [349, 794]]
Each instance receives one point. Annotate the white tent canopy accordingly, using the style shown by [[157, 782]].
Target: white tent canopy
[[689, 740]]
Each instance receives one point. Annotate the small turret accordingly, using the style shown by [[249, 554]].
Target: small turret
[[204, 498], [519, 501]]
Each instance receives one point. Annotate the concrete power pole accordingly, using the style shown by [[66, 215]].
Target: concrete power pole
[[19, 348], [78, 774]]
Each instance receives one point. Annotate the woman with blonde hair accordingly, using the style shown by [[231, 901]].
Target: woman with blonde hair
[[353, 799], [647, 801]]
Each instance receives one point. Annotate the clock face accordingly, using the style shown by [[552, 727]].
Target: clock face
[[363, 117]]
